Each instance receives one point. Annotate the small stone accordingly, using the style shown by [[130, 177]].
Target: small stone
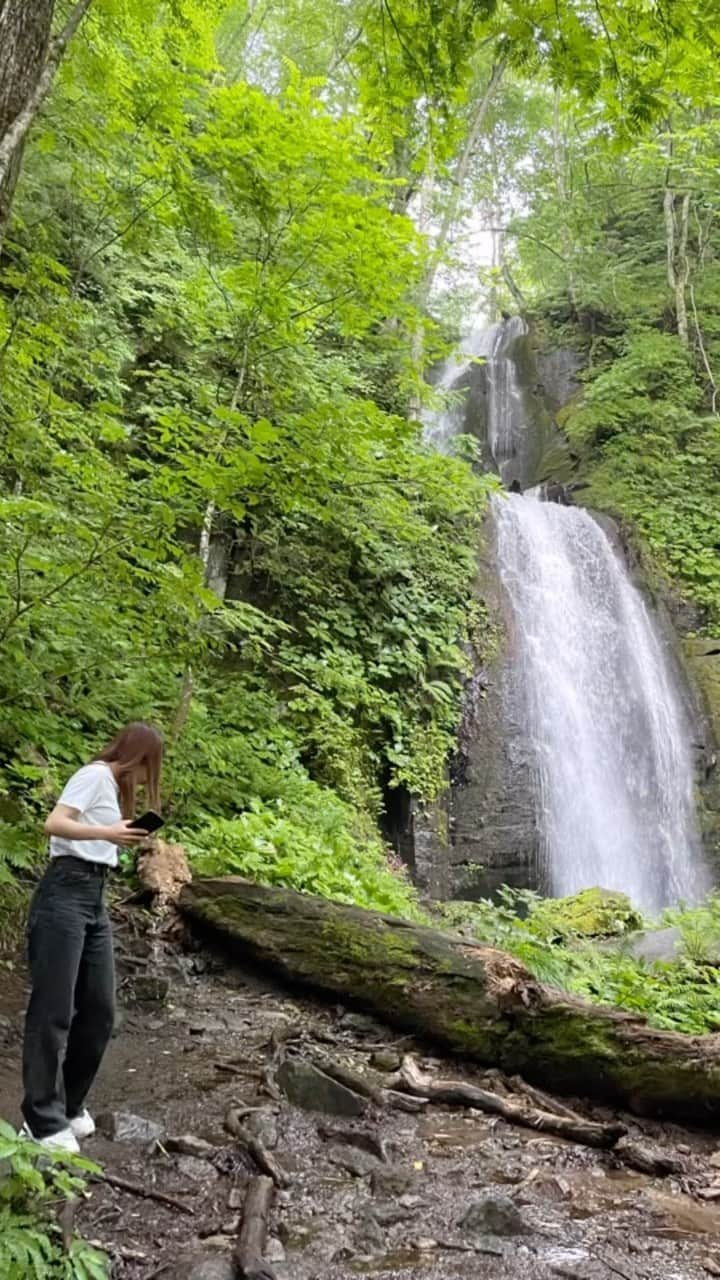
[[571, 1264], [370, 1237], [195, 1169], [548, 1187], [308, 1087], [236, 1198], [203, 1024], [496, 1215], [147, 988], [361, 1022], [297, 1235], [393, 1181], [274, 1251], [199, 1267], [232, 1226], [390, 1213], [358, 1163], [123, 1126], [385, 1060]]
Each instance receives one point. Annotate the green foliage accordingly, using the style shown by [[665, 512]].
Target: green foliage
[[310, 842], [618, 253], [216, 512], [32, 1183], [654, 459], [677, 995]]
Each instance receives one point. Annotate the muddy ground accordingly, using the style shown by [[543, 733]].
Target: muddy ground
[[183, 1053]]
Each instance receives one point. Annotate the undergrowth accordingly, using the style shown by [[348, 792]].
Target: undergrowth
[[681, 994], [316, 843], [33, 1185]]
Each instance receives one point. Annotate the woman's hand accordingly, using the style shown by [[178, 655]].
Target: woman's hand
[[123, 833], [63, 822]]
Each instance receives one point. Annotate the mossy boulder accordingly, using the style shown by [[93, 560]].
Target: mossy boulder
[[592, 913]]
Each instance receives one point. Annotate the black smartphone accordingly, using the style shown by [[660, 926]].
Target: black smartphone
[[149, 822]]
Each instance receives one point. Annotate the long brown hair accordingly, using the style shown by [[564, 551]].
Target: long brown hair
[[137, 746]]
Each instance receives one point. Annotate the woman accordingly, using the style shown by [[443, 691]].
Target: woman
[[70, 1016]]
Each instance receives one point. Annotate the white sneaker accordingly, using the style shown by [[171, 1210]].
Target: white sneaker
[[82, 1125], [63, 1140]]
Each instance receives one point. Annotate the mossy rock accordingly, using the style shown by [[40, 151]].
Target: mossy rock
[[592, 913], [703, 659]]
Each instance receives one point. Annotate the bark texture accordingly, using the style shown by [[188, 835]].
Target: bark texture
[[24, 41], [29, 59], [472, 1000]]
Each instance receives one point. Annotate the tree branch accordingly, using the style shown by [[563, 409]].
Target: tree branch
[[100, 549]]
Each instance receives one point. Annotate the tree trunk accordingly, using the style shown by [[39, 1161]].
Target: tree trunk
[[29, 59], [24, 40], [470, 999], [678, 267], [459, 177]]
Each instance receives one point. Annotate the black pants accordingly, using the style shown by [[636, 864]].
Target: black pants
[[71, 1012]]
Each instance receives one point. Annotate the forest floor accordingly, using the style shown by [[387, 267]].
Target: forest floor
[[391, 1203]]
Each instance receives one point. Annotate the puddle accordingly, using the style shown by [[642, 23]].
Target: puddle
[[688, 1215]]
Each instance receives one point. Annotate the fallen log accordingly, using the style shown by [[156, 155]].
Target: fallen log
[[249, 1259], [473, 1000]]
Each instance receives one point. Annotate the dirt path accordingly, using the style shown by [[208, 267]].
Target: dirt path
[[183, 1060]]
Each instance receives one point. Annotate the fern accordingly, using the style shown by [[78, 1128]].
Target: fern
[[33, 1181]]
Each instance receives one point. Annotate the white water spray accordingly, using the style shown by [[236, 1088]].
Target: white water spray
[[607, 726]]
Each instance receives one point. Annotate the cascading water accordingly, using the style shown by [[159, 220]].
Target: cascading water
[[442, 424], [608, 734], [507, 424], [608, 729]]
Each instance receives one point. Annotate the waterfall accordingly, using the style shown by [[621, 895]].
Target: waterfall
[[507, 425], [610, 740], [441, 425], [581, 748], [608, 731], [508, 430]]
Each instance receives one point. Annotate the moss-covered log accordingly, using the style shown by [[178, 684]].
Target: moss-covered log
[[473, 1000]]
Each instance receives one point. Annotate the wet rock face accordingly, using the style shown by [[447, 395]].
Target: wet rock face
[[702, 656], [493, 836], [484, 834]]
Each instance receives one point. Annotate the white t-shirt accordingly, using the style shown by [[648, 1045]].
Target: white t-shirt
[[94, 791]]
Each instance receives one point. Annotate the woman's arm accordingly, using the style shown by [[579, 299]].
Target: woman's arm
[[63, 822]]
